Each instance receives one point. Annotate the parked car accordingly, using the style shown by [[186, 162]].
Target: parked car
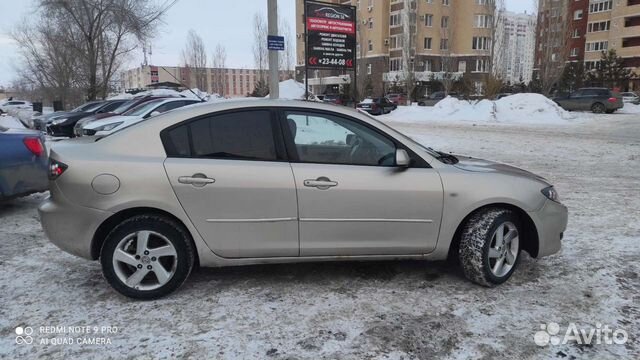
[[126, 106], [338, 99], [631, 98], [376, 106], [248, 182], [41, 122], [435, 97], [63, 126], [597, 100], [23, 162], [14, 104], [397, 99], [140, 113]]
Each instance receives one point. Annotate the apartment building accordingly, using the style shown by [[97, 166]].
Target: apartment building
[[517, 36], [421, 40], [226, 82], [596, 26]]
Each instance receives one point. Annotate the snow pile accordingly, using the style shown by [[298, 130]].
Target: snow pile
[[123, 96], [630, 109], [291, 90], [10, 122], [519, 108]]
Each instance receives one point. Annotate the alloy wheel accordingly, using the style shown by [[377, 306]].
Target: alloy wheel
[[503, 249], [145, 260]]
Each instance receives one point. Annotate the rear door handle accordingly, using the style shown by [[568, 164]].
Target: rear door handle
[[322, 183], [198, 180]]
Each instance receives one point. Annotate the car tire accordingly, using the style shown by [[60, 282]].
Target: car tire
[[484, 259], [126, 253], [598, 108]]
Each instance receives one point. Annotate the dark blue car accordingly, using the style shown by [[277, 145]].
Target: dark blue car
[[24, 163]]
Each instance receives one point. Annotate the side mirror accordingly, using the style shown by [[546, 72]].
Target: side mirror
[[402, 158], [155, 113]]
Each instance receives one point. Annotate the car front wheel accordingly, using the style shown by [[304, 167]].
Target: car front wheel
[[490, 246], [147, 257], [598, 108]]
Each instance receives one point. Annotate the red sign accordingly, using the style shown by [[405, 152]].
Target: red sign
[[331, 35]]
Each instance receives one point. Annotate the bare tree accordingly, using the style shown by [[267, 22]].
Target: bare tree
[[287, 57], [554, 29], [260, 50], [101, 33], [194, 57], [409, 28], [447, 60], [219, 60]]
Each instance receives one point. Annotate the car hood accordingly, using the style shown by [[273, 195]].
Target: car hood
[[111, 120], [486, 166]]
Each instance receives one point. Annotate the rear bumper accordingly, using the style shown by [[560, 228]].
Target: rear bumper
[[551, 223], [68, 226]]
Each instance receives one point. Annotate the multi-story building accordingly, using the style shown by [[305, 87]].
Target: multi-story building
[[517, 38], [225, 82], [594, 26], [421, 40]]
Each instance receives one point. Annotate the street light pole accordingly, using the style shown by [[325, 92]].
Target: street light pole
[[274, 76]]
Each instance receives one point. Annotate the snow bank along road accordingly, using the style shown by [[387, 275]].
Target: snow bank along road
[[368, 310]]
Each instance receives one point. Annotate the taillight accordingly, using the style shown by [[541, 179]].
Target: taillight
[[34, 145], [56, 168], [613, 100]]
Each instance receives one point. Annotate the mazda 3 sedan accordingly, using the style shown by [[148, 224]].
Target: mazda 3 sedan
[[256, 182]]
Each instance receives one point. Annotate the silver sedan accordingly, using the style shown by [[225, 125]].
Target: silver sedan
[[255, 182]]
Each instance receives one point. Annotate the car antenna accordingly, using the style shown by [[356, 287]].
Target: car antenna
[[183, 85]]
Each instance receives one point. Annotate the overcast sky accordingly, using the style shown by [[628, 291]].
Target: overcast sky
[[227, 22]]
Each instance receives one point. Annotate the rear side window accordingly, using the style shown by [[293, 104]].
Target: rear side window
[[243, 135]]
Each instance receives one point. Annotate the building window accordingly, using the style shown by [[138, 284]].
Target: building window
[[395, 20], [427, 43], [600, 6], [370, 45], [597, 46], [577, 15], [482, 2], [444, 22], [483, 21], [574, 52], [428, 20], [599, 26], [481, 65], [395, 64], [444, 44], [445, 2], [428, 65], [370, 23], [368, 69], [576, 33], [462, 66], [395, 42], [481, 43]]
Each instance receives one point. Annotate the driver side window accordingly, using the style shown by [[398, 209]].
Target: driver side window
[[327, 139]]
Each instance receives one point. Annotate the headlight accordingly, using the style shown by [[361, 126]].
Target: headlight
[[59, 121], [109, 127], [551, 194]]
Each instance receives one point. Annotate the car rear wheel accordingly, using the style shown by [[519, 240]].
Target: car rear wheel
[[598, 108], [490, 246], [147, 257]]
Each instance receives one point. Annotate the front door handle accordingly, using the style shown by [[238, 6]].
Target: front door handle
[[197, 180], [322, 183]]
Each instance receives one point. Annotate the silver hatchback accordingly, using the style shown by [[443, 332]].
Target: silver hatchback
[[254, 182]]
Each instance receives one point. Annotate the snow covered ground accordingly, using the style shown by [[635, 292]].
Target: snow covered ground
[[392, 310]]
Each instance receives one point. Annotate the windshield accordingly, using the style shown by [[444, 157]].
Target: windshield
[[85, 107], [144, 108], [124, 107]]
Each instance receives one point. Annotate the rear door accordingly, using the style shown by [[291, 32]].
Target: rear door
[[352, 199], [230, 173]]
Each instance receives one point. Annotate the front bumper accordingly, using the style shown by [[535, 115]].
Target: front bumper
[[69, 226], [551, 223]]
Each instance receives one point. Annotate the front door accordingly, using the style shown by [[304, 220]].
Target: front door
[[352, 199], [233, 181]]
